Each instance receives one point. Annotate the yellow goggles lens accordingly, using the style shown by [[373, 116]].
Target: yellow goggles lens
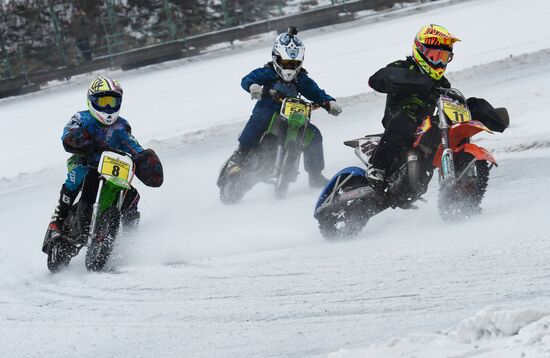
[[107, 101]]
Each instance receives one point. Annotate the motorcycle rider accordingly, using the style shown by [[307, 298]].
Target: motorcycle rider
[[411, 87], [285, 75], [86, 136]]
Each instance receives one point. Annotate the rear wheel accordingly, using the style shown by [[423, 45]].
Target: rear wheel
[[60, 254], [345, 223], [232, 189], [102, 244], [463, 200], [345, 220]]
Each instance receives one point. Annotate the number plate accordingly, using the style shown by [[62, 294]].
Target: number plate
[[293, 107], [115, 168], [457, 113]]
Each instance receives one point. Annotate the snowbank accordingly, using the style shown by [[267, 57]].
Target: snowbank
[[490, 334]]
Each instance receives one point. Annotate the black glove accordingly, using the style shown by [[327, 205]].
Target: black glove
[[78, 141], [149, 168]]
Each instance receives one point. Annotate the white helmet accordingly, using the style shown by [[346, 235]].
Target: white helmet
[[104, 99], [288, 54]]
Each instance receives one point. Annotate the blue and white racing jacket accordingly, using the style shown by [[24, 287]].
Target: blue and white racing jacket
[[86, 138]]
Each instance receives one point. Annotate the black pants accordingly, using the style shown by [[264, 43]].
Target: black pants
[[399, 132]]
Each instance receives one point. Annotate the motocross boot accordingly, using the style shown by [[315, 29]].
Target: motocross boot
[[66, 199], [237, 161], [377, 179], [317, 180]]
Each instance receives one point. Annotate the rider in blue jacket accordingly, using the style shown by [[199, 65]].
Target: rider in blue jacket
[[86, 136], [286, 76]]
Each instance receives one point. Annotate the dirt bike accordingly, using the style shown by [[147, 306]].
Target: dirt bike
[[442, 141], [276, 158], [95, 226]]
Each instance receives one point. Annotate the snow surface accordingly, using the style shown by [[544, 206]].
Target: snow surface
[[203, 279]]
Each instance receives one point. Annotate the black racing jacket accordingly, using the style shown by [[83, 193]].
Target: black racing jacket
[[411, 93]]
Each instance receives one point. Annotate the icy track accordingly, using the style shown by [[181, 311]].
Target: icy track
[[257, 280]]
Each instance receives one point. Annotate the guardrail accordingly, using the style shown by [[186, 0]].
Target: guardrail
[[193, 45]]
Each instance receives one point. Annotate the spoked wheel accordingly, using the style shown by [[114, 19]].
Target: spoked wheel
[[463, 200], [102, 244], [342, 224], [232, 189], [345, 220], [60, 254], [289, 168]]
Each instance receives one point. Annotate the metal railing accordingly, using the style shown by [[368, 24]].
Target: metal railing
[[38, 43], [37, 35]]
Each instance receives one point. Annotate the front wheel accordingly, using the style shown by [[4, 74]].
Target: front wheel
[[289, 170], [102, 244], [463, 200]]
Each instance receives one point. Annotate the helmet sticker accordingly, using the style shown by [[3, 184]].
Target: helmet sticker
[[292, 52], [96, 85], [285, 39]]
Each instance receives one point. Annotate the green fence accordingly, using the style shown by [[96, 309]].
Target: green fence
[[40, 36]]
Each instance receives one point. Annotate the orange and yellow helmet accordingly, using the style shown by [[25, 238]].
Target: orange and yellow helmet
[[433, 49]]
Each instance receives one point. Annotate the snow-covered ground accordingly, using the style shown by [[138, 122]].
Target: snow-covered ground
[[203, 279]]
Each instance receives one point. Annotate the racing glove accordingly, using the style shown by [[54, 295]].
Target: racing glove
[[255, 91], [333, 108]]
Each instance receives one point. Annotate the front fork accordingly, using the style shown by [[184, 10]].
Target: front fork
[[95, 214], [281, 145], [95, 211], [448, 175]]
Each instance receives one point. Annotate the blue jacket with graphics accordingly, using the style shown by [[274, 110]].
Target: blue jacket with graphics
[[268, 78], [86, 137]]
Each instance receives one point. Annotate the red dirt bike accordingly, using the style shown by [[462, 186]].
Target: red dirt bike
[[442, 141]]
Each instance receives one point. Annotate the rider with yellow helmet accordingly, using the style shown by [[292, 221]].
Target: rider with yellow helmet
[[410, 85], [86, 136]]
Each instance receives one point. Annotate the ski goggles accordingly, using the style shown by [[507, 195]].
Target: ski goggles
[[107, 101], [286, 38], [436, 56], [289, 64]]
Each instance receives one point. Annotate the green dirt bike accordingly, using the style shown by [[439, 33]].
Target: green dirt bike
[[95, 226], [277, 157]]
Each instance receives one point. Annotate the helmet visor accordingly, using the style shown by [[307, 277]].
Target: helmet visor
[[106, 101], [289, 64], [436, 56]]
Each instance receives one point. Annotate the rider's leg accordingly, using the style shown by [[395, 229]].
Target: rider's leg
[[67, 195], [314, 159], [399, 132], [252, 133]]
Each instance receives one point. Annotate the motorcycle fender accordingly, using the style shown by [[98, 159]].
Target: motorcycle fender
[[479, 153], [354, 171]]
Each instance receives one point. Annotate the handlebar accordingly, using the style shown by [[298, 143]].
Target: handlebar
[[110, 149], [279, 97], [452, 93]]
